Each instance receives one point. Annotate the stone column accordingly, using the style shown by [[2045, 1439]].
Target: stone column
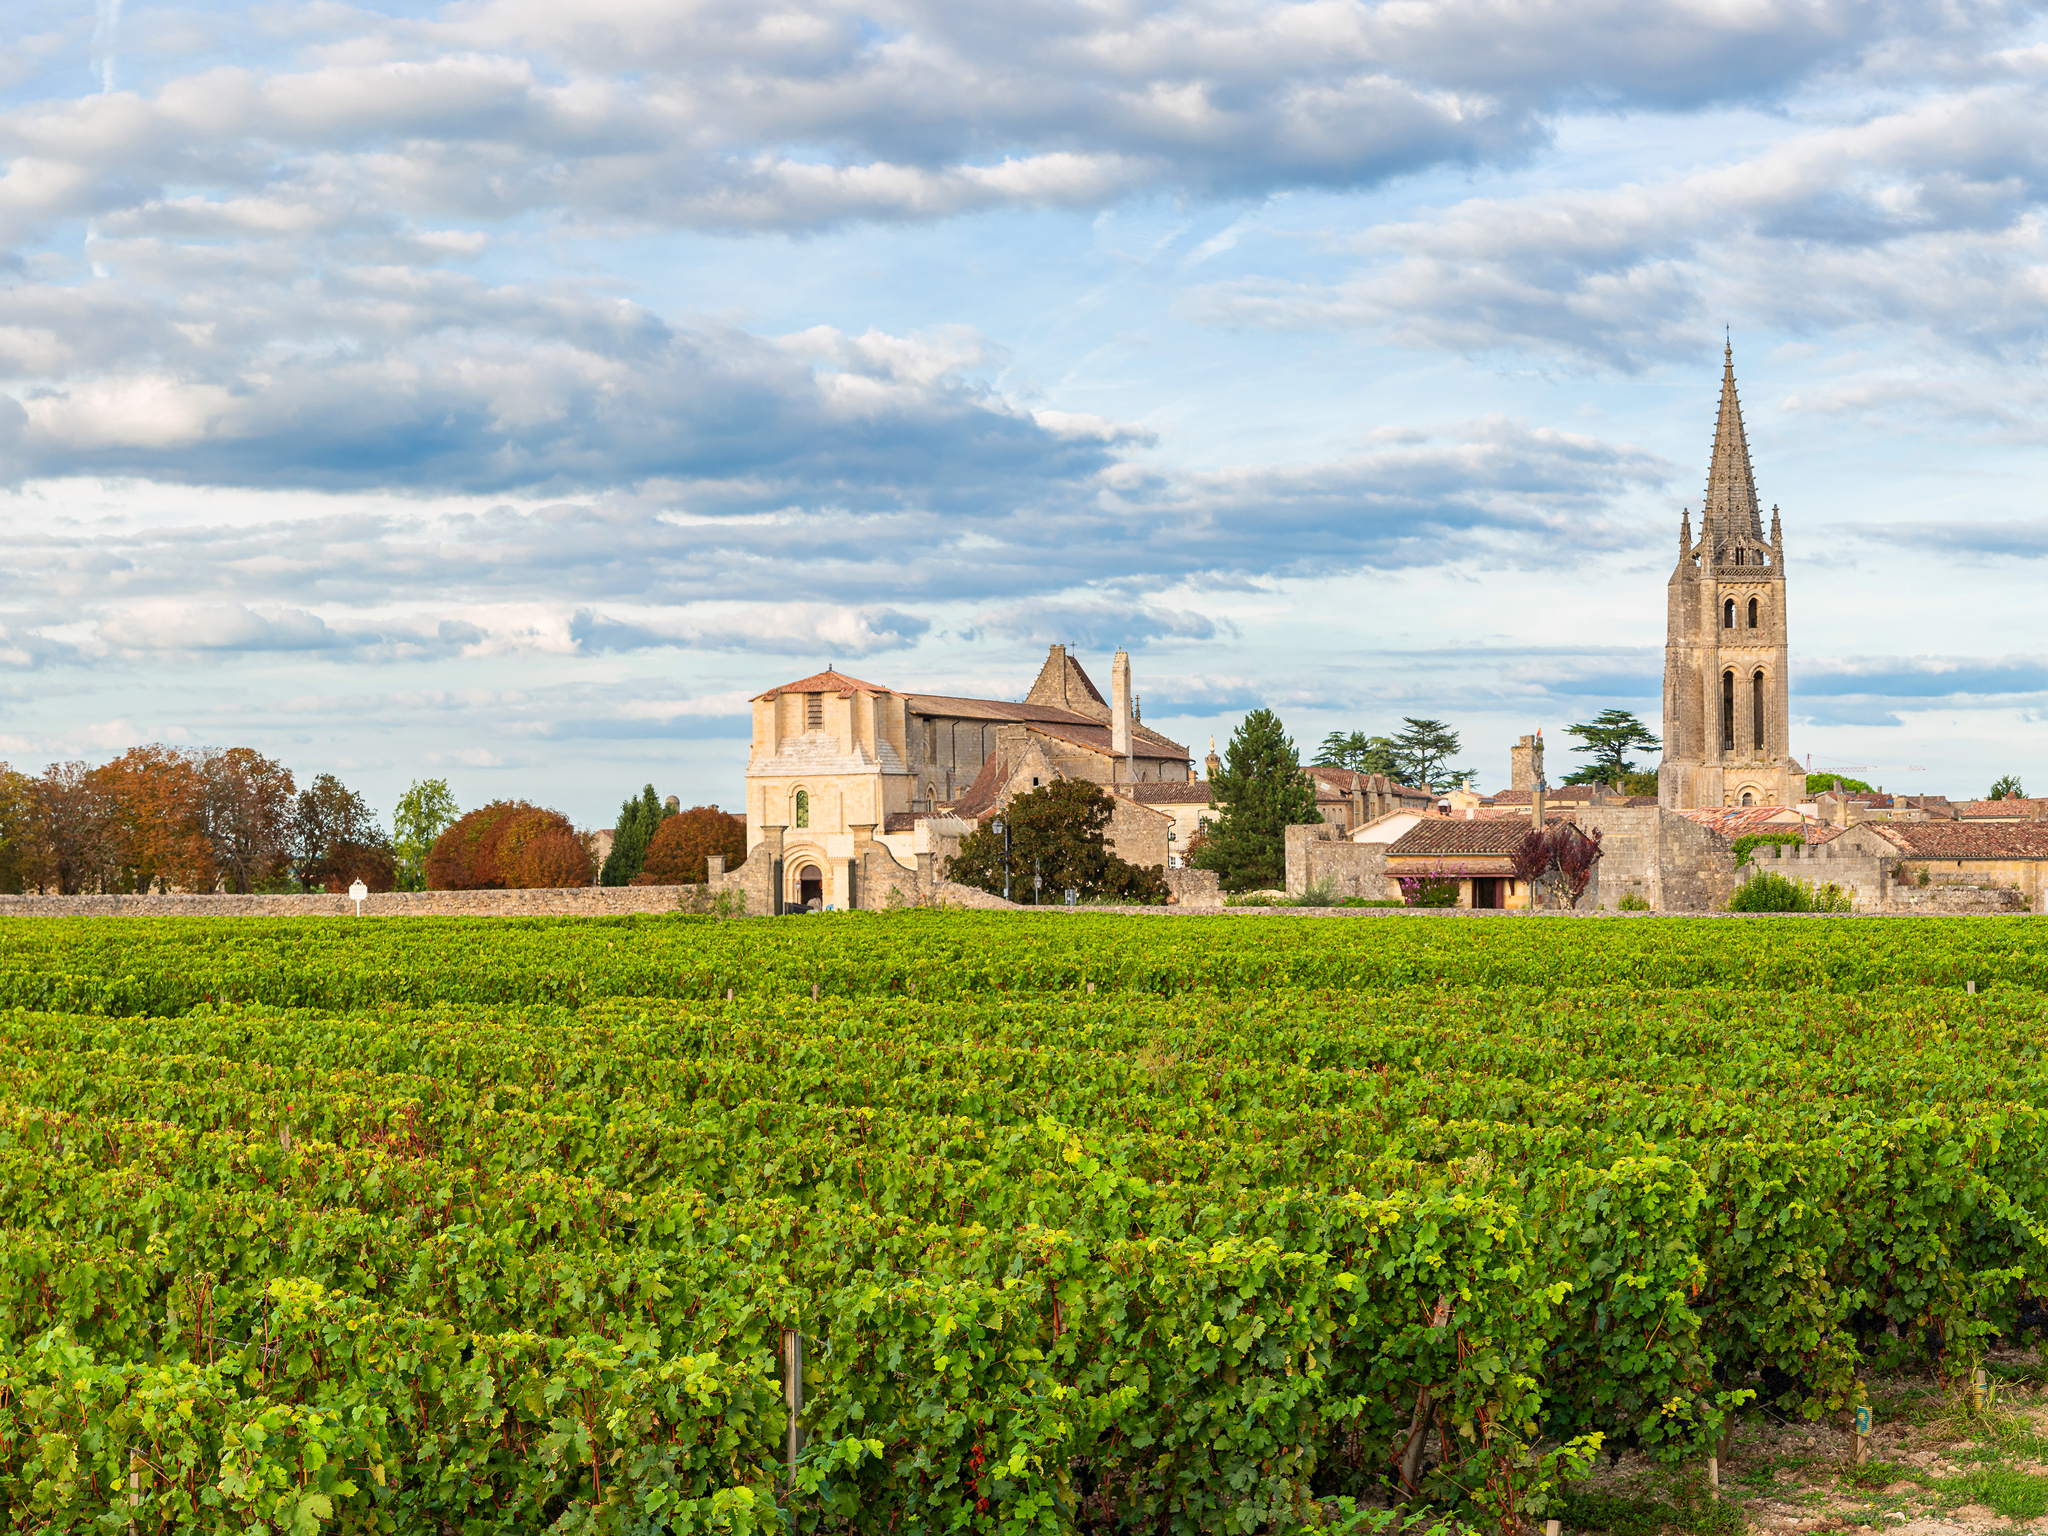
[[924, 874]]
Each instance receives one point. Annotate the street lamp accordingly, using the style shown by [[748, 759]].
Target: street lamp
[[1001, 828]]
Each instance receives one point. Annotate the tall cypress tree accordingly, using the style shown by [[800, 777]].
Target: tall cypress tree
[[1262, 791], [638, 819]]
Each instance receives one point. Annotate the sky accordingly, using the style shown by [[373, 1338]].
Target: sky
[[506, 391]]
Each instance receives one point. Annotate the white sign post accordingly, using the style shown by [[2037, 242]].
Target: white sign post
[[356, 893]]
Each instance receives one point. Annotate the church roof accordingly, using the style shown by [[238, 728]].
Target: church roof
[[986, 789], [1731, 511], [947, 706], [827, 681], [1144, 743], [2011, 808]]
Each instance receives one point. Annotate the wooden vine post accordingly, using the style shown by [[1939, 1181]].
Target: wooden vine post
[[793, 1395]]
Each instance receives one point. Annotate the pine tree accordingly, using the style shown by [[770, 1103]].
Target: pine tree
[[639, 819], [1262, 792]]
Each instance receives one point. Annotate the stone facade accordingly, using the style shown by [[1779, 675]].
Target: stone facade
[[1726, 708], [844, 774], [1321, 852]]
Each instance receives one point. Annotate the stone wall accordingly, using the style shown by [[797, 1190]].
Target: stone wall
[[1672, 862], [1194, 888], [1866, 876], [1321, 852], [576, 901]]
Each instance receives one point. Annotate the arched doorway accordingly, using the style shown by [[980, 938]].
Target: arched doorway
[[810, 888]]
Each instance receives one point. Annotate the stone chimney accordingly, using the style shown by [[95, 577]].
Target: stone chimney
[[1536, 803], [1525, 762], [1120, 709]]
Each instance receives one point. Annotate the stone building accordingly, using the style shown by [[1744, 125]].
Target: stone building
[[1726, 712], [844, 774]]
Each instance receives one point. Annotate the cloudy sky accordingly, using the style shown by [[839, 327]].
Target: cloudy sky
[[507, 389]]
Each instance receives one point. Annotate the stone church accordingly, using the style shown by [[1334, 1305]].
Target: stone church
[[1725, 700], [854, 788]]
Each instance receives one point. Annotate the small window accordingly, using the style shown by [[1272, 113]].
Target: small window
[[1756, 707], [1728, 711], [814, 711], [1738, 557], [803, 807], [1728, 614], [1752, 613]]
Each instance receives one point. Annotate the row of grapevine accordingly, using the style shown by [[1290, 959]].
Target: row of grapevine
[[397, 1227]]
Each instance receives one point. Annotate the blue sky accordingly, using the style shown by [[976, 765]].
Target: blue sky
[[505, 390]]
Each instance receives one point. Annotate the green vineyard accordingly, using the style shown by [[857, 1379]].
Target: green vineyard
[[1075, 1223]]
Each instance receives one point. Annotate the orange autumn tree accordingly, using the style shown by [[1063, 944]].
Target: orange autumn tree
[[508, 845], [159, 799], [681, 845]]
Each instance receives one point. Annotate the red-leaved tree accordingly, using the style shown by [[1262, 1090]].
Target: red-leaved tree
[[1559, 856], [508, 845], [681, 845]]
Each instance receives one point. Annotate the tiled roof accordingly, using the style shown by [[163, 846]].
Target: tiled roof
[[1195, 792], [948, 706], [823, 682], [988, 784], [1439, 837], [1735, 820], [1086, 733], [2011, 808], [1965, 840], [904, 821]]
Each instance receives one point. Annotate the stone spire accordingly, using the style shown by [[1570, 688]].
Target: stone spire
[[1684, 535], [1777, 536], [1731, 511]]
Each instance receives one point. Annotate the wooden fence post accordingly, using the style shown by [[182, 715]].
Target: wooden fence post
[[793, 1395]]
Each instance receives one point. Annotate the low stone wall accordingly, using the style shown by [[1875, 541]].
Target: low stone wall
[[575, 901], [1317, 852], [1194, 888]]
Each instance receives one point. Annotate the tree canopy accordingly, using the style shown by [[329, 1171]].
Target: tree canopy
[[335, 840], [508, 845], [2009, 784], [684, 842], [1059, 832], [639, 819], [1262, 791], [1608, 739], [1360, 753], [1821, 783], [1424, 749], [425, 811]]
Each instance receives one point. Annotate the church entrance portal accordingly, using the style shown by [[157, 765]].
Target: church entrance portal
[[810, 888]]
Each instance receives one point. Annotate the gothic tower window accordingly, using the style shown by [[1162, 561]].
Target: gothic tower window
[[1738, 557], [1728, 614], [1752, 613], [803, 805], [1756, 707], [1727, 711]]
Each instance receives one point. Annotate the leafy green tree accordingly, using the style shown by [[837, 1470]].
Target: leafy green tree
[[639, 819], [2008, 785], [1262, 791], [1059, 832], [1360, 753], [425, 811], [1424, 750], [1609, 737], [1821, 783], [335, 839]]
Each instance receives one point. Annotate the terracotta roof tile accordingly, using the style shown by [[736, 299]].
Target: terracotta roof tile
[[988, 784], [824, 682], [1964, 840], [946, 705], [1439, 837], [1195, 792], [2012, 808], [1146, 744]]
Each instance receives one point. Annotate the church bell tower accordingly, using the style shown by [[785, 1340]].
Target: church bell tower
[[1725, 702]]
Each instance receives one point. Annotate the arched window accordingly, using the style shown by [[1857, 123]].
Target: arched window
[[1756, 707], [1738, 557], [1727, 711], [1728, 614], [1752, 613], [803, 807]]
